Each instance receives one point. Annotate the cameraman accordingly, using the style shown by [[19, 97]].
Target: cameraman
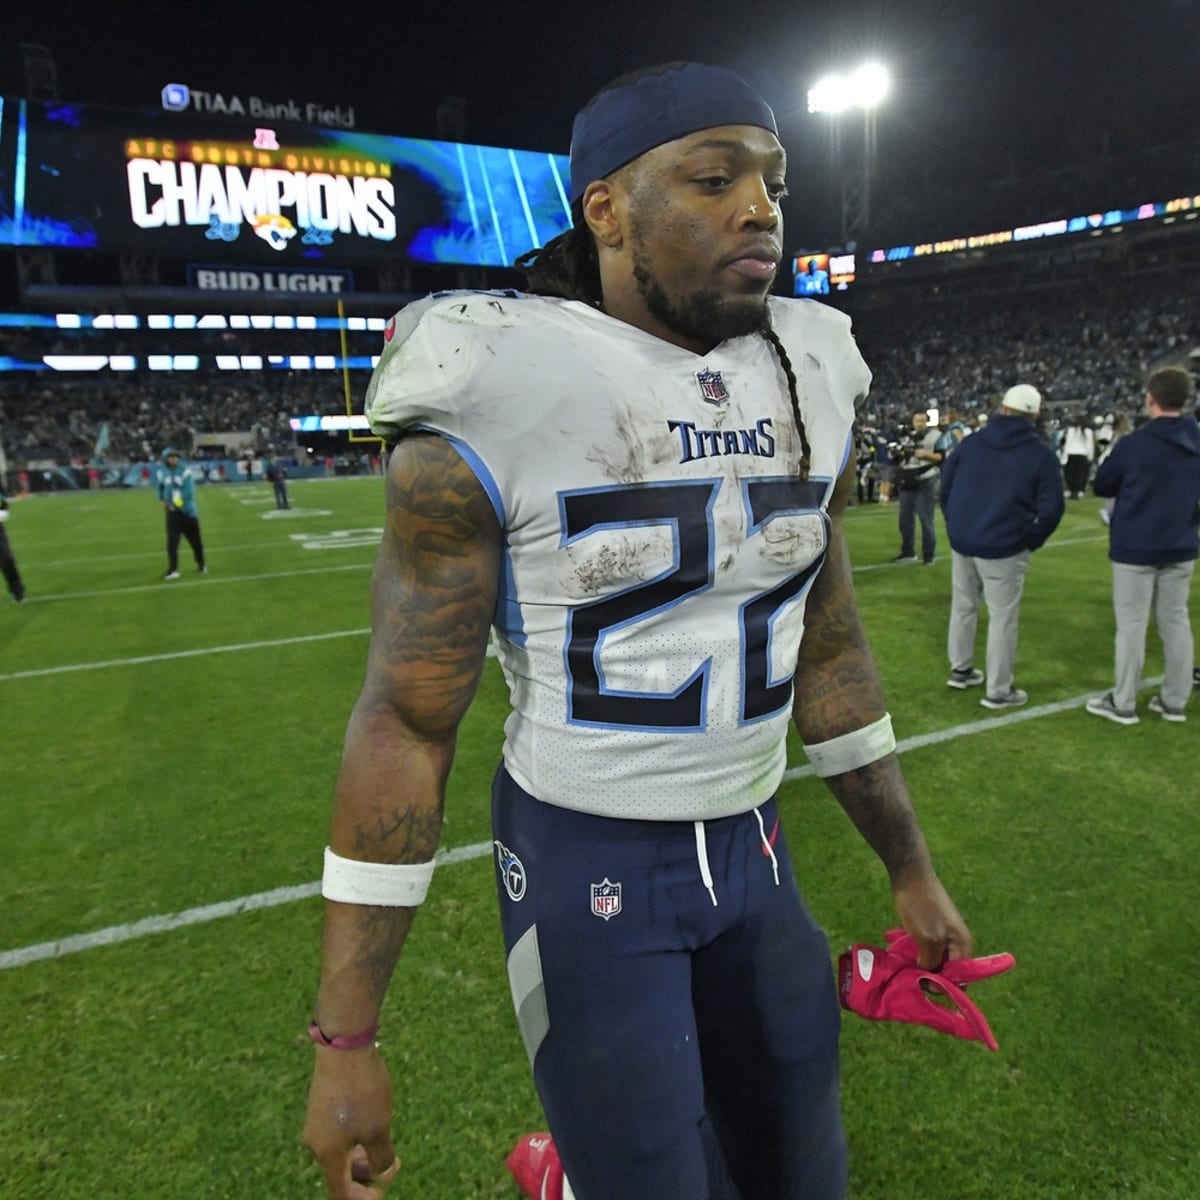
[[918, 464]]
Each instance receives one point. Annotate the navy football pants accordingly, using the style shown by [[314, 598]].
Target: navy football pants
[[681, 1050], [181, 524]]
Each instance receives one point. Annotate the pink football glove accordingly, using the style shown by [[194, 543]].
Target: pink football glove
[[887, 985], [957, 970], [536, 1167]]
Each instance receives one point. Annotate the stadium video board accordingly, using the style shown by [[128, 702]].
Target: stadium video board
[[190, 186], [819, 274]]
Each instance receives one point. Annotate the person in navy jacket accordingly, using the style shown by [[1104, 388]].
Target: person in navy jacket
[[1002, 497], [1154, 474]]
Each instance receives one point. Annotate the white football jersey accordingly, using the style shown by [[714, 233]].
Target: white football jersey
[[659, 545]]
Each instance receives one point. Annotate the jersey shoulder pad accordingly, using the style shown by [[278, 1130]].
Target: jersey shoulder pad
[[800, 313], [487, 308], [808, 327], [435, 352]]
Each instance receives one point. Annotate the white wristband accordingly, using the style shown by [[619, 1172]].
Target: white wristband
[[392, 885], [852, 750]]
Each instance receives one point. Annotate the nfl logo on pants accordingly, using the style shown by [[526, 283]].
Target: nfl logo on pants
[[606, 898]]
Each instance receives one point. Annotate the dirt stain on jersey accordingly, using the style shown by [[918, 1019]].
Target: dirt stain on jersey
[[793, 540], [620, 562], [639, 441]]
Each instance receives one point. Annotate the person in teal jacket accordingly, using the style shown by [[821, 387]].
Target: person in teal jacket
[[177, 492]]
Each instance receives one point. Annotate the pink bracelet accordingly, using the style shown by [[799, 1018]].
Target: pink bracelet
[[351, 1041]]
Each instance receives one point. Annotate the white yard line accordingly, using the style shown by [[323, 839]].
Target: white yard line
[[157, 554], [286, 895], [209, 580], [69, 668], [193, 916], [200, 653]]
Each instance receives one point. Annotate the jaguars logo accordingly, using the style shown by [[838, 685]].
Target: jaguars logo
[[512, 871], [275, 230]]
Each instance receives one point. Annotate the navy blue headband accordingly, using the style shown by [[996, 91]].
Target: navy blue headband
[[624, 122]]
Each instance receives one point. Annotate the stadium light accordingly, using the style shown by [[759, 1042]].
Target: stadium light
[[865, 87]]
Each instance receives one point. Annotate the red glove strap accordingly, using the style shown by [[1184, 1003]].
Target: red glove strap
[[350, 1041]]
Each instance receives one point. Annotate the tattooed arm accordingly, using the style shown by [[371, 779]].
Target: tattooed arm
[[837, 690], [433, 593]]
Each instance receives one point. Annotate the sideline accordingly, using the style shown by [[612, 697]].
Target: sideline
[[115, 934]]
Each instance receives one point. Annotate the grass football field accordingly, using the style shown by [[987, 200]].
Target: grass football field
[[167, 756]]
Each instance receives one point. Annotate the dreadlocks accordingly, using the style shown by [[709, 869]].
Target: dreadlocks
[[566, 266], [793, 391]]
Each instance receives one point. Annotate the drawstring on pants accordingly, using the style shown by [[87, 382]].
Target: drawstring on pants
[[768, 849], [702, 854], [702, 859]]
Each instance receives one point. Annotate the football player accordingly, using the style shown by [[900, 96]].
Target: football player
[[636, 476]]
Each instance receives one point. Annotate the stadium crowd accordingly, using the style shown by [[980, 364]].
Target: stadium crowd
[[1087, 346], [60, 416], [1084, 348], [61, 420]]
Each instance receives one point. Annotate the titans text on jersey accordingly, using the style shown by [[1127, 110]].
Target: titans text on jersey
[[711, 443]]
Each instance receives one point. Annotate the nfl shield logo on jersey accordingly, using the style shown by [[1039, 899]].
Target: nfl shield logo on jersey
[[712, 386], [606, 899]]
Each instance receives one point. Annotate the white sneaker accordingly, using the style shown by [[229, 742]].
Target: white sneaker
[[1103, 706], [1167, 714], [171, 575], [1014, 698], [965, 679]]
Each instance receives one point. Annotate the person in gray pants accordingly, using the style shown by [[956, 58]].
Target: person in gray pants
[[1154, 473], [1002, 497]]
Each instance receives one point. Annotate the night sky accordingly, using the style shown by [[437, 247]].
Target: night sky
[[982, 87]]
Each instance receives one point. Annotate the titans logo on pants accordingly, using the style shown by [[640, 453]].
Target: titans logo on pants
[[512, 871]]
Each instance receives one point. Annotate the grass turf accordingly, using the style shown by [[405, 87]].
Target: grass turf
[[141, 777]]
